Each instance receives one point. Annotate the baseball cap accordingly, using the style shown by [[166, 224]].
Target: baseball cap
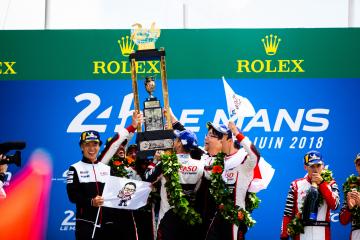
[[90, 136], [357, 157], [221, 128], [313, 157], [187, 138]]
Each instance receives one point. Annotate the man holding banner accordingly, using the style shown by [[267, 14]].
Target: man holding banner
[[86, 180], [123, 195], [120, 193]]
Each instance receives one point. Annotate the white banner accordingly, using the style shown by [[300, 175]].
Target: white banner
[[125, 193]]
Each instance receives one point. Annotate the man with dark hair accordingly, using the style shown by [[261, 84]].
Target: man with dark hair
[[131, 151], [86, 180]]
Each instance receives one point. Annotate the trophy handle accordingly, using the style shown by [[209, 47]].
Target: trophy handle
[[165, 90], [135, 89]]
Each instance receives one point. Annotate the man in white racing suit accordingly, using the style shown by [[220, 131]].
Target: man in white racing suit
[[238, 173], [170, 225]]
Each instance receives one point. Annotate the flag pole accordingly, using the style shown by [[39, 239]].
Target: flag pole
[[95, 224]]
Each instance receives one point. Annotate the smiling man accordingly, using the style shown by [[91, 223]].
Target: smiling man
[[86, 180]]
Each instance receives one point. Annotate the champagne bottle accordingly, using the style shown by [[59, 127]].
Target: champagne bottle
[[311, 204]]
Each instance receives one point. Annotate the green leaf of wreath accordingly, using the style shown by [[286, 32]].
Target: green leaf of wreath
[[224, 199], [176, 197], [352, 184]]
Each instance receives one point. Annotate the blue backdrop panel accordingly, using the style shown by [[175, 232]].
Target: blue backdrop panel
[[292, 117]]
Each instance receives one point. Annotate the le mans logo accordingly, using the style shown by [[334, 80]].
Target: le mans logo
[[126, 46], [271, 45]]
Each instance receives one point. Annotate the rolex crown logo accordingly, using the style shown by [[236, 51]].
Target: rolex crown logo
[[271, 44], [126, 46]]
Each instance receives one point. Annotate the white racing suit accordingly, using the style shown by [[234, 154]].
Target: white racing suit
[[320, 229], [237, 175]]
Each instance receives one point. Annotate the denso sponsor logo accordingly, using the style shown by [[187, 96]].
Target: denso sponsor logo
[[188, 168]]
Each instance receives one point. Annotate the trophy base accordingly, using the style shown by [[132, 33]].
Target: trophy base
[[151, 141]]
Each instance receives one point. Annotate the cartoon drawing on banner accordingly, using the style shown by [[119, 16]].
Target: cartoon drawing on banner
[[126, 193]]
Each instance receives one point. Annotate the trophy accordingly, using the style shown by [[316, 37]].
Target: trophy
[[155, 137]]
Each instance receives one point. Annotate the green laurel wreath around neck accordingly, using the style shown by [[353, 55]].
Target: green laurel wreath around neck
[[352, 183], [224, 198], [296, 225], [118, 165], [176, 197]]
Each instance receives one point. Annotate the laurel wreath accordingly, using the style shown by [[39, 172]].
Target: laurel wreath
[[176, 197], [224, 199], [352, 182], [296, 225], [118, 165]]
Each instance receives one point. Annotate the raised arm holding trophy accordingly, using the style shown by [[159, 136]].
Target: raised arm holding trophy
[[155, 137]]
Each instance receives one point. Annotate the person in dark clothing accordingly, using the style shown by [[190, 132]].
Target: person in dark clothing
[[86, 180]]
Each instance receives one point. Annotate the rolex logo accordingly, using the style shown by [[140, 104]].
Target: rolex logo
[[271, 44], [126, 46], [279, 65]]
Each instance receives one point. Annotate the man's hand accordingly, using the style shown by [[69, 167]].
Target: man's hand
[[136, 119], [316, 178], [3, 167], [233, 128], [172, 116], [350, 200], [355, 196], [97, 201]]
